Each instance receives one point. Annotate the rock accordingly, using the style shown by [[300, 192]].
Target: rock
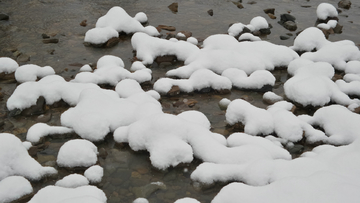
[[336, 77], [238, 4], [290, 25], [83, 23], [251, 2], [265, 31], [271, 16], [210, 12], [338, 29], [147, 190], [45, 36], [175, 90], [50, 40], [103, 153], [166, 58], [286, 17], [174, 7], [186, 33], [44, 118], [4, 16], [33, 151], [166, 27], [37, 109], [346, 4], [51, 51], [269, 10], [112, 42], [296, 149], [23, 58], [170, 35], [357, 110], [282, 37], [190, 102], [43, 158]]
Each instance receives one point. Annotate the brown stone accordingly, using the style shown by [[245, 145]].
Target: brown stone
[[337, 77], [51, 41], [346, 4], [269, 10], [112, 42], [174, 7], [166, 27], [23, 58], [238, 4], [186, 33], [175, 90], [190, 102], [83, 23], [357, 110], [271, 16], [166, 58], [33, 151], [210, 12], [251, 2]]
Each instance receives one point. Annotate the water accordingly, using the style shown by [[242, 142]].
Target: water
[[126, 170]]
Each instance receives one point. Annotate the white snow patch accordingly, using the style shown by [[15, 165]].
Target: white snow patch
[[27, 145], [256, 80], [39, 130], [271, 96], [140, 200], [326, 10], [192, 40], [94, 174], [248, 37], [86, 68], [77, 153], [72, 181], [31, 72], [8, 65], [15, 160], [327, 26], [186, 200], [14, 187], [100, 35]]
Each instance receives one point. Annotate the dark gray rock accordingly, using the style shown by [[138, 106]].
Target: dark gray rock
[[37, 109], [290, 25], [4, 16], [269, 10], [286, 17], [51, 40], [346, 4], [210, 12]]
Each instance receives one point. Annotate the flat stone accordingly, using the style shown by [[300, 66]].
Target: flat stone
[[83, 23], [112, 42], [238, 4], [51, 41], [167, 27], [346, 4], [271, 16], [175, 90], [290, 25], [4, 16], [174, 7], [282, 37], [269, 10]]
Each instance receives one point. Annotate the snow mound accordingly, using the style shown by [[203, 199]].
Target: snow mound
[[309, 39], [140, 200], [256, 80], [327, 26], [94, 174], [248, 37], [98, 113], [53, 88], [77, 153], [141, 17], [15, 160], [326, 10], [89, 194], [272, 97], [39, 130], [148, 48], [312, 85], [186, 200], [72, 181], [8, 65], [111, 71], [118, 19], [352, 71], [100, 35], [31, 72], [350, 88], [85, 68], [257, 23], [14, 187]]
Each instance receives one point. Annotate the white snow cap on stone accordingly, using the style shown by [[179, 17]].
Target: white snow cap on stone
[[326, 10], [192, 40], [8, 65], [255, 80], [27, 145], [77, 153], [14, 187], [141, 17], [140, 200], [255, 24], [72, 181], [236, 29], [15, 160], [85, 68], [271, 96], [94, 174], [88, 194], [100, 35], [326, 26], [186, 200], [119, 19], [249, 37], [39, 130], [31, 72], [258, 23]]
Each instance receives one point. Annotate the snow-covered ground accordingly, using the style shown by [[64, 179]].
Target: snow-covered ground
[[256, 160]]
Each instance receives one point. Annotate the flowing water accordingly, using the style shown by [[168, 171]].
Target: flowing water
[[125, 170]]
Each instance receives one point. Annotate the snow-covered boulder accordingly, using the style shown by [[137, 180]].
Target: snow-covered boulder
[[326, 10], [72, 181], [8, 65], [13, 188], [31, 72], [15, 160], [77, 153], [94, 174], [100, 35], [39, 130]]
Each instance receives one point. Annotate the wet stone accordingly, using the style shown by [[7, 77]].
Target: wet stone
[[112, 42], [147, 190], [83, 23], [51, 41], [251, 2], [174, 7], [23, 58], [37, 109], [238, 4], [175, 90], [44, 118], [4, 16], [210, 12], [186, 33], [282, 37], [346, 4], [286, 17], [166, 58], [45, 36], [269, 10], [272, 16], [167, 27], [290, 25], [265, 31]]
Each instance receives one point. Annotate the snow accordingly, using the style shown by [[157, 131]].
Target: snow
[[312, 85], [110, 70], [77, 153], [89, 194], [72, 181], [271, 96], [31, 72], [8, 65], [98, 113], [326, 10], [137, 65], [224, 103], [235, 29], [200, 79], [15, 160], [256, 80], [309, 39], [118, 19], [141, 17], [85, 68], [326, 26], [14, 187], [39, 130], [94, 174], [192, 40], [140, 200], [351, 88], [100, 35], [180, 35], [53, 88], [148, 48], [249, 37], [27, 145], [257, 23], [186, 200]]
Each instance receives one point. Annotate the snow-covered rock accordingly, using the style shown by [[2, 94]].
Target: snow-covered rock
[[89, 194], [15, 160], [77, 153], [256, 80], [72, 181], [94, 174], [14, 187], [326, 10], [186, 200], [39, 130], [100, 35], [31, 72], [8, 65]]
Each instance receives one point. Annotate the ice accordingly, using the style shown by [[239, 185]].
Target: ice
[[94, 174], [72, 181], [326, 10], [100, 35], [14, 187], [15, 160], [110, 70], [77, 153], [118, 19], [89, 194], [8, 65], [31, 72], [39, 130]]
